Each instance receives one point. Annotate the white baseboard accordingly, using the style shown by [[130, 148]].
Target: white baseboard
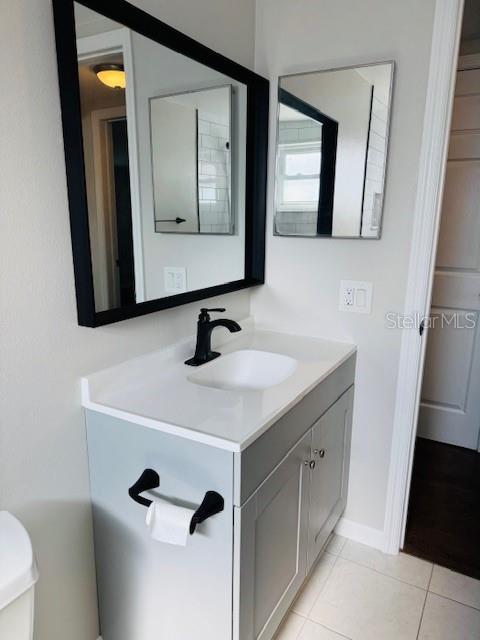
[[361, 533]]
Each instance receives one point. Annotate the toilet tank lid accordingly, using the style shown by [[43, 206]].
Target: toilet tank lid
[[18, 570]]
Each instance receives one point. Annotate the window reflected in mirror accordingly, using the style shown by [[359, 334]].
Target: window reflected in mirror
[[332, 138]]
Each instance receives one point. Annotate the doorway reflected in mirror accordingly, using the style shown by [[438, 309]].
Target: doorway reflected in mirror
[[164, 143]]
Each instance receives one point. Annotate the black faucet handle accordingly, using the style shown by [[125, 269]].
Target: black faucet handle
[[204, 317]]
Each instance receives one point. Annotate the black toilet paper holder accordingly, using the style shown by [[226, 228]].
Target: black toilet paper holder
[[212, 502]]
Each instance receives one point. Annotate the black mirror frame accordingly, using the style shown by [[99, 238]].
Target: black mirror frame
[[256, 155]]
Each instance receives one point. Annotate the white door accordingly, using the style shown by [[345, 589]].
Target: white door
[[450, 406]]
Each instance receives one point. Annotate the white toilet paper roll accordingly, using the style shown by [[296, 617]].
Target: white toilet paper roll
[[169, 523]]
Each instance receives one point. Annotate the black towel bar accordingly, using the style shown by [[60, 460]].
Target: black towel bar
[[212, 502], [147, 481]]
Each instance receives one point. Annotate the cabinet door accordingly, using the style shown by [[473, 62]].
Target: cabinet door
[[329, 478], [270, 562]]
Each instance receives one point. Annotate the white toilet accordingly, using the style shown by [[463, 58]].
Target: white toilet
[[18, 575]]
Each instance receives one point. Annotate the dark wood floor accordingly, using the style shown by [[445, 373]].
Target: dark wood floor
[[443, 523]]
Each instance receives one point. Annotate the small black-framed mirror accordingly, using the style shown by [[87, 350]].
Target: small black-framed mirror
[[166, 159]]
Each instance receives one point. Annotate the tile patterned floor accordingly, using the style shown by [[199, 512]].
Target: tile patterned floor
[[358, 593]]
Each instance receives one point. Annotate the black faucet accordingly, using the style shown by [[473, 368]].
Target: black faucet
[[205, 326]]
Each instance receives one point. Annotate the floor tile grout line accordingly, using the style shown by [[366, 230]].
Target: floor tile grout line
[[441, 595], [421, 617], [425, 601], [323, 587], [427, 588], [444, 567], [324, 626], [431, 578], [329, 543], [306, 617], [430, 590], [382, 573], [343, 545], [301, 628], [335, 558], [425, 591], [287, 616]]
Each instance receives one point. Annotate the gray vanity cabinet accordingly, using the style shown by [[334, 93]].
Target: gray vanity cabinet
[[148, 590], [273, 532], [242, 568], [331, 436], [284, 525]]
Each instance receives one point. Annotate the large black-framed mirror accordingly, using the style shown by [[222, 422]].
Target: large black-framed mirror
[[166, 161]]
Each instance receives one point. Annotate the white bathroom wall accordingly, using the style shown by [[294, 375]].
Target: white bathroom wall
[[225, 26], [43, 353], [303, 274]]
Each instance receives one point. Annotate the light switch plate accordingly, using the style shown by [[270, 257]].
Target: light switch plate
[[356, 296], [175, 279]]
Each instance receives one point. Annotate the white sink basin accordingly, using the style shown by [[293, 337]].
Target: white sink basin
[[246, 369]]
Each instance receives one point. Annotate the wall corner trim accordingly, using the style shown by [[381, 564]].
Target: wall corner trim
[[433, 155]]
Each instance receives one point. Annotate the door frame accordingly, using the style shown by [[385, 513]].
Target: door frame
[[433, 155], [119, 40], [104, 193]]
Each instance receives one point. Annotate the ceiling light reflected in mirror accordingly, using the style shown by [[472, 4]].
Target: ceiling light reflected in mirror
[[111, 75]]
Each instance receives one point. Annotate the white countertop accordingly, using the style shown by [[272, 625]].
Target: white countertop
[[154, 391]]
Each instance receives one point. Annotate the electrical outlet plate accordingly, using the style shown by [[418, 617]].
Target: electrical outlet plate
[[356, 296], [175, 279]]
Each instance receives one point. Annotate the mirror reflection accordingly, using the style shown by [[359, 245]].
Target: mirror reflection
[[191, 161], [164, 142], [332, 138]]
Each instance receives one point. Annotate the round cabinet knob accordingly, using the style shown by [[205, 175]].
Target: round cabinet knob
[[319, 452], [312, 464]]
